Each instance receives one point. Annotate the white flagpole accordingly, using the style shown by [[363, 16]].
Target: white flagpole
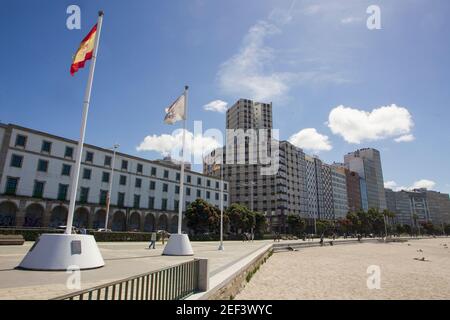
[[87, 97], [181, 201]]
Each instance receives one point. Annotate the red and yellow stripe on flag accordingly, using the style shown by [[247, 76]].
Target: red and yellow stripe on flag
[[84, 52]]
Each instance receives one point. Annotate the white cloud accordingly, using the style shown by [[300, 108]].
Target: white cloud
[[356, 126], [390, 184], [310, 139], [349, 20], [216, 106], [424, 183], [166, 144], [252, 71], [405, 138], [245, 74]]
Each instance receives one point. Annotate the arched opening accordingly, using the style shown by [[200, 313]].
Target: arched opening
[[33, 215], [99, 219], [80, 218], [174, 224], [58, 217], [162, 222], [8, 212], [135, 221], [149, 223], [119, 222]]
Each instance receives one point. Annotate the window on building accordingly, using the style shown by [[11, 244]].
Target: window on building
[[208, 183], [138, 183], [136, 201], [208, 195], [199, 181], [87, 173], [38, 189], [188, 179], [225, 186], [84, 194], [107, 162], [153, 171], [188, 191], [152, 185], [225, 197], [151, 202], [11, 185], [89, 157], [123, 180], [68, 153], [163, 204], [124, 165], [16, 161], [103, 197], [178, 176], [140, 168], [105, 176], [21, 140], [46, 146], [217, 185], [176, 204], [166, 174], [42, 165], [165, 187], [217, 196], [199, 193], [121, 199], [62, 191], [177, 189], [65, 170]]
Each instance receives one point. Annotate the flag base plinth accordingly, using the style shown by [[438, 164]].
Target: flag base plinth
[[62, 252], [178, 245]]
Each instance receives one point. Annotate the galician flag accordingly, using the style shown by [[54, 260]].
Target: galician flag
[[84, 52], [177, 111]]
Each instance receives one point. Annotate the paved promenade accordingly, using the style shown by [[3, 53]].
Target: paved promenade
[[122, 260]]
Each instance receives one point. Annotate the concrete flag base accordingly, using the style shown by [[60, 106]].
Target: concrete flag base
[[60, 252], [178, 245]]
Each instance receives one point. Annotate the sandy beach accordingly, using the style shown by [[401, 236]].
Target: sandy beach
[[340, 272]]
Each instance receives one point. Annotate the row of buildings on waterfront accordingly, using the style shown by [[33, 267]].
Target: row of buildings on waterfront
[[36, 169], [304, 184]]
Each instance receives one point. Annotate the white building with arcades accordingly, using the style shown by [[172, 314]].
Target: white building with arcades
[[36, 171]]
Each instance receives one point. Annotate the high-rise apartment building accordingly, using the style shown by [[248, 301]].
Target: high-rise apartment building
[[419, 205], [353, 190], [277, 194], [367, 163], [340, 193]]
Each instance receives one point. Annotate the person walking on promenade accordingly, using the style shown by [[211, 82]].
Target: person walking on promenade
[[321, 240], [152, 241]]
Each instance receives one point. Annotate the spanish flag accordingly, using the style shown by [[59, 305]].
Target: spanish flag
[[84, 52]]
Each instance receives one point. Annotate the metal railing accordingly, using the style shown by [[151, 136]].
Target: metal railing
[[171, 283]]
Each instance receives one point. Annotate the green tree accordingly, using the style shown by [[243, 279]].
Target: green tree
[[241, 218], [260, 224], [202, 217], [296, 224]]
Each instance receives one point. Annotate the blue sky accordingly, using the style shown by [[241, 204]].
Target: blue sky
[[307, 57]]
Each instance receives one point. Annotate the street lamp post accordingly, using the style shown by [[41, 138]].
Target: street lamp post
[[221, 207], [108, 200]]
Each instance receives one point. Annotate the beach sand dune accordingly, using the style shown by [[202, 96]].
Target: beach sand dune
[[341, 272]]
